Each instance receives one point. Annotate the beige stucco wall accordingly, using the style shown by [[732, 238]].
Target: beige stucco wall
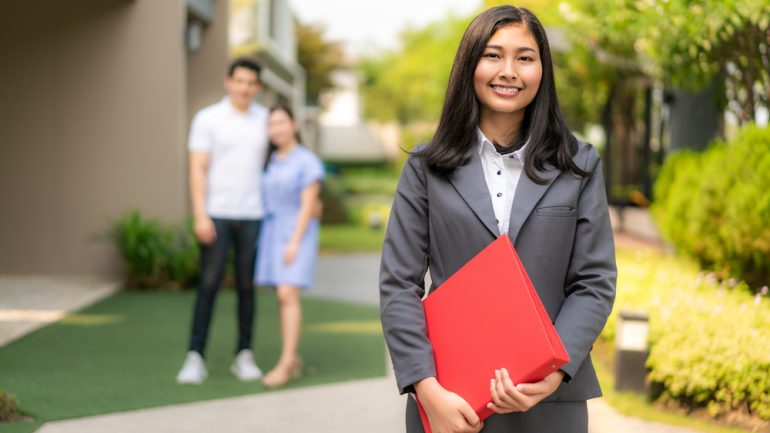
[[94, 115]]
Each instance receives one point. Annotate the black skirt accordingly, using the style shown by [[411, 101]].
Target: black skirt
[[548, 417]]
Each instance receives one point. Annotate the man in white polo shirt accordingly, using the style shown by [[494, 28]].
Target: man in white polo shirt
[[227, 147]]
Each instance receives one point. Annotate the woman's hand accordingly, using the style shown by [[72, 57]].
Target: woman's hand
[[507, 397], [447, 412], [290, 253]]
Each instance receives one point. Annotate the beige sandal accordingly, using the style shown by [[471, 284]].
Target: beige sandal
[[280, 375]]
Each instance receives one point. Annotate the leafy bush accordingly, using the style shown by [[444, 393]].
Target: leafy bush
[[333, 197], [715, 206], [9, 410], [708, 340], [155, 255]]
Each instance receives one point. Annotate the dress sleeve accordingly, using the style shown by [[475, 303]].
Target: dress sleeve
[[312, 171]]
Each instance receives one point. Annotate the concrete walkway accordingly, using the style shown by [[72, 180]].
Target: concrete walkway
[[371, 406], [30, 302]]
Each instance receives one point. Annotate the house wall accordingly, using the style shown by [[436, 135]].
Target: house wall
[[95, 104]]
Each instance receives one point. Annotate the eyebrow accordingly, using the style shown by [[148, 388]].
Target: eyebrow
[[520, 49]]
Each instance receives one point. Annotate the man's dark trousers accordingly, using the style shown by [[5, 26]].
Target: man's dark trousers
[[242, 234]]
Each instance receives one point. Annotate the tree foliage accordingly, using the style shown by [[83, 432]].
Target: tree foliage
[[687, 44], [597, 45], [319, 57], [408, 84]]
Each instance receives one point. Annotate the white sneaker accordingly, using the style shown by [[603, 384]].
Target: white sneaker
[[244, 367], [193, 371]]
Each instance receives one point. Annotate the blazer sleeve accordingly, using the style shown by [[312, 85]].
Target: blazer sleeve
[[402, 279], [591, 276]]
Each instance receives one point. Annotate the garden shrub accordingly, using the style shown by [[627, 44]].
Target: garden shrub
[[715, 206], [333, 197], [9, 410], [155, 255], [708, 339]]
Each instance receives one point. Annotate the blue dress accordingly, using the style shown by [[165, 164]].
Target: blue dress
[[282, 185]]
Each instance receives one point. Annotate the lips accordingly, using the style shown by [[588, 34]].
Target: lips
[[505, 90]]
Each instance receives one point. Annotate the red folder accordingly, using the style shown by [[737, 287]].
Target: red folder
[[488, 316]]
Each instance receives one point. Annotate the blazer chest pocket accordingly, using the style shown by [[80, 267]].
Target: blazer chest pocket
[[556, 211]]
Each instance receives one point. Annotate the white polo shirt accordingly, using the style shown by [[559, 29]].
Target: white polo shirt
[[237, 144], [501, 174]]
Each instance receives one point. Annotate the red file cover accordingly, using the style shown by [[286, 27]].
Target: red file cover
[[485, 317]]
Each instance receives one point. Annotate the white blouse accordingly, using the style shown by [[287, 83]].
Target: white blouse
[[501, 173]]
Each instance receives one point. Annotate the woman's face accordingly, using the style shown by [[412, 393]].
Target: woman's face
[[508, 74], [281, 128]]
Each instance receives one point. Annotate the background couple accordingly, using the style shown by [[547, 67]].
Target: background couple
[[253, 187]]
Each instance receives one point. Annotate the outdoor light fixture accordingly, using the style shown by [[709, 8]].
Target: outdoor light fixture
[[194, 35], [631, 351]]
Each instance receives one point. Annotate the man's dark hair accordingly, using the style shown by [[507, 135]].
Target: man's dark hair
[[243, 63]]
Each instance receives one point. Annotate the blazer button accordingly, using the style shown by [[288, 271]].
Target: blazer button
[[499, 172], [499, 194]]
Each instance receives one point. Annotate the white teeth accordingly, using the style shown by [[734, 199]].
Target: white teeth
[[506, 90]]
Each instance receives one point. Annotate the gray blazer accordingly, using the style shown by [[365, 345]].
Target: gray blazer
[[561, 232]]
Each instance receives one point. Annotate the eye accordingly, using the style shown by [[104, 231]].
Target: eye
[[491, 55]]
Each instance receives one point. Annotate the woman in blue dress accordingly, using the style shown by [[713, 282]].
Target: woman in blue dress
[[288, 241]]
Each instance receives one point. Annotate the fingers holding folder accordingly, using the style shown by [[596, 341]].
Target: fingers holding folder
[[508, 397], [446, 411]]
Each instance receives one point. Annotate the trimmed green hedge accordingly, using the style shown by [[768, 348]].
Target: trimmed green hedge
[[715, 206], [709, 340]]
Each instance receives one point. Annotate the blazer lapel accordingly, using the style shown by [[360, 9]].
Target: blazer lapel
[[468, 180], [528, 193]]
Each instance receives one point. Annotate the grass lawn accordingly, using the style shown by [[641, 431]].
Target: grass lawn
[[124, 352], [368, 195], [351, 238]]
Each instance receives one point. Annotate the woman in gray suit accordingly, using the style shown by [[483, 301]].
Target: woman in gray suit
[[502, 160]]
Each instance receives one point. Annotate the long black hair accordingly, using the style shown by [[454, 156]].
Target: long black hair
[[550, 141], [271, 147]]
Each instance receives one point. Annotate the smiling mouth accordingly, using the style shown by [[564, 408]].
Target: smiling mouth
[[505, 90]]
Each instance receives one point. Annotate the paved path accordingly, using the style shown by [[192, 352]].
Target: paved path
[[371, 406], [29, 302], [366, 406]]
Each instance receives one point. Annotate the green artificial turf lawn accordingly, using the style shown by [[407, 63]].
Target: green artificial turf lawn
[[351, 238], [124, 353]]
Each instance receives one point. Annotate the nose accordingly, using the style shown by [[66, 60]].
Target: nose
[[508, 70]]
